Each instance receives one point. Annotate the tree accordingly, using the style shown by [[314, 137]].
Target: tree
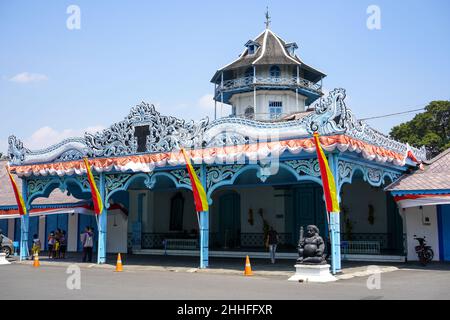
[[430, 128]]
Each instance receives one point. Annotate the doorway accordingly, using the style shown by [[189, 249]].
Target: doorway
[[229, 231]]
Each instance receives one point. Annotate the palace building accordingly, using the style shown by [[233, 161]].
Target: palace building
[[258, 167]]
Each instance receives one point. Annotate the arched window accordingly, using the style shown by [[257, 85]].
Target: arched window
[[249, 112], [275, 72], [176, 212]]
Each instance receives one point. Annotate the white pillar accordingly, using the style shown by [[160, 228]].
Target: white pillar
[[72, 233], [42, 220], [11, 225]]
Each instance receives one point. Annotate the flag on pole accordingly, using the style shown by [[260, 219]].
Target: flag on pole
[[201, 203], [329, 185], [96, 198], [17, 194]]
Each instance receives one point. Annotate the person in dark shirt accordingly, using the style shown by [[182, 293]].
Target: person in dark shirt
[[272, 242]]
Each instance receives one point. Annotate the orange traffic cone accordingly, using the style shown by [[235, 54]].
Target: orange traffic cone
[[36, 260], [248, 268], [119, 267]]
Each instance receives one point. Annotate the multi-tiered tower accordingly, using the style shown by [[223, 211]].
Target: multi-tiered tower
[[268, 81]]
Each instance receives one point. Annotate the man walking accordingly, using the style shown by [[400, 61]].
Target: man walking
[[272, 242], [87, 241]]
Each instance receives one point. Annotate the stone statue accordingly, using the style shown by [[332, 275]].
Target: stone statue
[[311, 248]]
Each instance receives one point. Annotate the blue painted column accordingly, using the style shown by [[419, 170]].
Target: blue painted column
[[204, 227], [335, 224], [24, 224], [102, 224]]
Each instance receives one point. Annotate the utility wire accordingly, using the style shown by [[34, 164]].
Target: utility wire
[[394, 114]]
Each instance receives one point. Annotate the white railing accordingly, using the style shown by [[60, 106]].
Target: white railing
[[274, 81], [360, 247], [181, 244]]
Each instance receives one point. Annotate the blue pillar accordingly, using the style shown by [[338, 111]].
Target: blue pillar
[[24, 224], [204, 227], [204, 239], [102, 224], [335, 225]]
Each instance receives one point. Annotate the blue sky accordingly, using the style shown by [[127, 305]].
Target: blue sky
[[56, 82]]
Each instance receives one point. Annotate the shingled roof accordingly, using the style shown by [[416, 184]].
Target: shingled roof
[[7, 198], [271, 51], [435, 176]]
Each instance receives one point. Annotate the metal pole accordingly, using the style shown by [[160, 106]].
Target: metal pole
[[254, 89], [296, 89], [215, 102], [221, 93]]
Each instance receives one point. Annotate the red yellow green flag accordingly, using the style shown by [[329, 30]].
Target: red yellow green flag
[[96, 198], [329, 186], [201, 203], [17, 194]]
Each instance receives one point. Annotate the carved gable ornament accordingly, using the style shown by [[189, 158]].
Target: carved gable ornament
[[145, 130]]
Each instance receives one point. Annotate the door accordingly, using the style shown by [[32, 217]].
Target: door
[[229, 231], [394, 226], [53, 222], [309, 208], [33, 229], [444, 231]]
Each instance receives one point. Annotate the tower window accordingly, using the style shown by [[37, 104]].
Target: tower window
[[275, 72], [251, 49], [275, 109]]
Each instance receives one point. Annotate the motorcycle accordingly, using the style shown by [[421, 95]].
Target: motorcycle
[[424, 252]]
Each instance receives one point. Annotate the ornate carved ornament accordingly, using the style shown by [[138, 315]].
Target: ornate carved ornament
[[160, 133]]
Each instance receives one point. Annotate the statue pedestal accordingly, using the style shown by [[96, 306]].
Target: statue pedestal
[[312, 273], [3, 259]]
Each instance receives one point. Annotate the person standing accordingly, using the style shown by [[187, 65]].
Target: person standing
[[50, 244], [36, 248], [63, 244], [87, 241], [272, 242]]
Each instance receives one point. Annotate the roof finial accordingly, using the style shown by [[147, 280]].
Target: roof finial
[[267, 18]]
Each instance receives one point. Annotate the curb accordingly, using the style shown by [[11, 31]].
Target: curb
[[358, 272]]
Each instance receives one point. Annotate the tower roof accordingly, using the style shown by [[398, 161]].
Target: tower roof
[[271, 50]]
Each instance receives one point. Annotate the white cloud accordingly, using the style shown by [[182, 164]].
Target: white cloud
[[26, 77], [206, 102], [47, 136]]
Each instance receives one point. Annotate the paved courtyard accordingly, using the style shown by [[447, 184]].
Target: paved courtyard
[[178, 278]]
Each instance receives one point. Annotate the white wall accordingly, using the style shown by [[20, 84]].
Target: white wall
[[42, 231], [11, 228], [161, 211], [243, 100], [72, 232], [116, 232], [254, 198], [415, 226]]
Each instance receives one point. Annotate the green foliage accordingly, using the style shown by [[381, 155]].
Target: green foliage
[[430, 128]]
